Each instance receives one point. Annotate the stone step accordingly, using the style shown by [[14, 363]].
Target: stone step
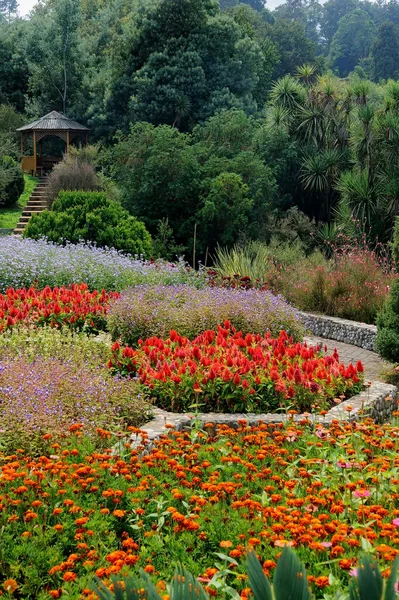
[[36, 203]]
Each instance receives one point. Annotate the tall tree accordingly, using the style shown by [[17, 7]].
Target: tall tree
[[186, 62], [53, 57], [333, 11], [8, 9], [352, 41], [385, 52]]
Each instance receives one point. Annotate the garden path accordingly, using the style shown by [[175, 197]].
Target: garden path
[[374, 366]]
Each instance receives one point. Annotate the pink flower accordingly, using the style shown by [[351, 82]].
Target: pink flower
[[326, 544], [344, 465], [353, 572], [362, 493], [395, 522]]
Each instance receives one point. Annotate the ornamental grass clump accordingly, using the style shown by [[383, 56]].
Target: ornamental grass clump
[[225, 371], [49, 395], [147, 311], [39, 263]]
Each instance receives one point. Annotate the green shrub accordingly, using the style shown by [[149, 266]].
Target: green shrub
[[387, 342], [90, 217], [11, 181]]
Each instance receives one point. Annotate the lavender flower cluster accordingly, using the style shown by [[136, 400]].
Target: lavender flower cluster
[[49, 395], [150, 310], [25, 262]]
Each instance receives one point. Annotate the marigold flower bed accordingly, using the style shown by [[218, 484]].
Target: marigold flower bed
[[225, 371], [76, 511], [74, 306]]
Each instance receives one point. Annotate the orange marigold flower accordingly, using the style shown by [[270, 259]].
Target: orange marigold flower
[[226, 544], [322, 581], [149, 569], [69, 576], [55, 593], [119, 513], [10, 585]]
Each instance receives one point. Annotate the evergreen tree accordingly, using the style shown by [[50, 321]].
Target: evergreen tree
[[385, 52], [352, 41]]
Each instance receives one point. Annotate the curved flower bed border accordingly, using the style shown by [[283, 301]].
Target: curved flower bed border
[[378, 401], [341, 330]]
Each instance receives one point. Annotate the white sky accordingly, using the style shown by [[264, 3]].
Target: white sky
[[26, 5]]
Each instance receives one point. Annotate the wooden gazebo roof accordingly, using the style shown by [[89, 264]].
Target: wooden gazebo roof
[[54, 121], [52, 124]]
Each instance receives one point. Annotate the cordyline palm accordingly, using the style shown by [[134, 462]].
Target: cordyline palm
[[319, 172], [288, 93], [387, 140], [362, 136], [277, 117], [362, 194], [306, 73], [391, 97], [311, 124]]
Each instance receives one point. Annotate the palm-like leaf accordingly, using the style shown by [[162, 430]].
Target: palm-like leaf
[[306, 73], [319, 171], [288, 93], [257, 580], [360, 193], [290, 580]]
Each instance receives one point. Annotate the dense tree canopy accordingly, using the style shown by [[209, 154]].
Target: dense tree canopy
[[220, 118]]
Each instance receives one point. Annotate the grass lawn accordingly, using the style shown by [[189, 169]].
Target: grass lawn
[[9, 216]]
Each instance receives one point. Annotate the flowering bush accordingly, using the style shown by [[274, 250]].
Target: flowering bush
[[225, 371], [78, 510], [26, 262], [75, 306], [353, 284], [146, 311], [49, 395]]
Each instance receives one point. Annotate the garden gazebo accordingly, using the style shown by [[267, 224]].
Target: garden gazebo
[[53, 124]]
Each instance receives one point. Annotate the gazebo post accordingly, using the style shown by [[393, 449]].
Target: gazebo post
[[54, 123], [87, 139], [34, 153]]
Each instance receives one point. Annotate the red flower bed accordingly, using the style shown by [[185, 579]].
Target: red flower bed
[[74, 306], [225, 371]]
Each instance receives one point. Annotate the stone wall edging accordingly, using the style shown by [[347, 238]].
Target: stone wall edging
[[341, 330], [378, 401]]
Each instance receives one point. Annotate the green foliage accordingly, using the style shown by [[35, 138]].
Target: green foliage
[[212, 178], [74, 172], [289, 583], [11, 181], [352, 41], [387, 342], [9, 217], [385, 52], [91, 217]]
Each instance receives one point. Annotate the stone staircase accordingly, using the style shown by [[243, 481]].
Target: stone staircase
[[37, 203]]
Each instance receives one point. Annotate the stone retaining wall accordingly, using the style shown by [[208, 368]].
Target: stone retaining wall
[[378, 401], [341, 330]]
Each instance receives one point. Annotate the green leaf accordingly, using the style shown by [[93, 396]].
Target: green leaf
[[258, 582], [390, 592], [369, 580], [367, 546], [290, 580], [227, 558], [185, 587]]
